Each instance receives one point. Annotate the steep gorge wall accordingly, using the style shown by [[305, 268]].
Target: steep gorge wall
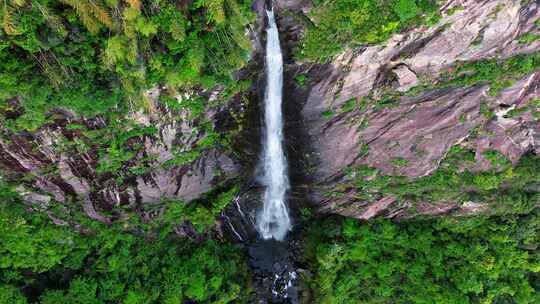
[[382, 106], [410, 136], [164, 156]]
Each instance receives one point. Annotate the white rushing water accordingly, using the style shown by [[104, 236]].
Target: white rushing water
[[273, 221]]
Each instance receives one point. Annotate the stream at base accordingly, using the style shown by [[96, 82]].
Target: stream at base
[[274, 271]]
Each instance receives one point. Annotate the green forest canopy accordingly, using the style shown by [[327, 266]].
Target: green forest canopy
[[91, 57], [95, 263], [454, 260]]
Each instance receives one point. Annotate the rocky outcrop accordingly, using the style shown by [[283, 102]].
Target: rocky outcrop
[[62, 166], [418, 129]]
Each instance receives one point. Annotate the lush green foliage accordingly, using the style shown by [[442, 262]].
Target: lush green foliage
[[301, 80], [357, 22], [11, 295], [458, 261], [107, 265], [99, 58], [528, 38], [92, 57]]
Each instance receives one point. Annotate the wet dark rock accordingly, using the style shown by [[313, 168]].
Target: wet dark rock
[[275, 274], [239, 218]]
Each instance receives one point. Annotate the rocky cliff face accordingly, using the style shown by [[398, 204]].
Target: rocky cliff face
[[77, 164], [406, 119], [398, 107], [182, 148]]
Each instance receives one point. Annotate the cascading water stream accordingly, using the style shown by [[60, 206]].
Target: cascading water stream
[[273, 222], [271, 259]]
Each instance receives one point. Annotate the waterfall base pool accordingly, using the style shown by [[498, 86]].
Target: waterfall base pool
[[272, 265]]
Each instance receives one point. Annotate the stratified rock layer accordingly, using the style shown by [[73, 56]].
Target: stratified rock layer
[[53, 174], [420, 129]]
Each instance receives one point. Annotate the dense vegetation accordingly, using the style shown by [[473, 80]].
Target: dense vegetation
[[350, 23], [83, 68], [95, 263], [92, 57], [455, 261], [99, 58]]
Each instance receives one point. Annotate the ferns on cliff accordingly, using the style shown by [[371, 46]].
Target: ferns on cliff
[[9, 16], [93, 14]]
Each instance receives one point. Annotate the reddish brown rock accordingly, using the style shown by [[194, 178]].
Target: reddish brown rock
[[406, 78], [412, 135], [76, 177], [377, 208]]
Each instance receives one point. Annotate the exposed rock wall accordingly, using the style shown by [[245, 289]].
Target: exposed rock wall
[[422, 127], [53, 174]]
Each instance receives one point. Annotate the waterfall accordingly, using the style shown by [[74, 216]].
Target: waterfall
[[273, 221]]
